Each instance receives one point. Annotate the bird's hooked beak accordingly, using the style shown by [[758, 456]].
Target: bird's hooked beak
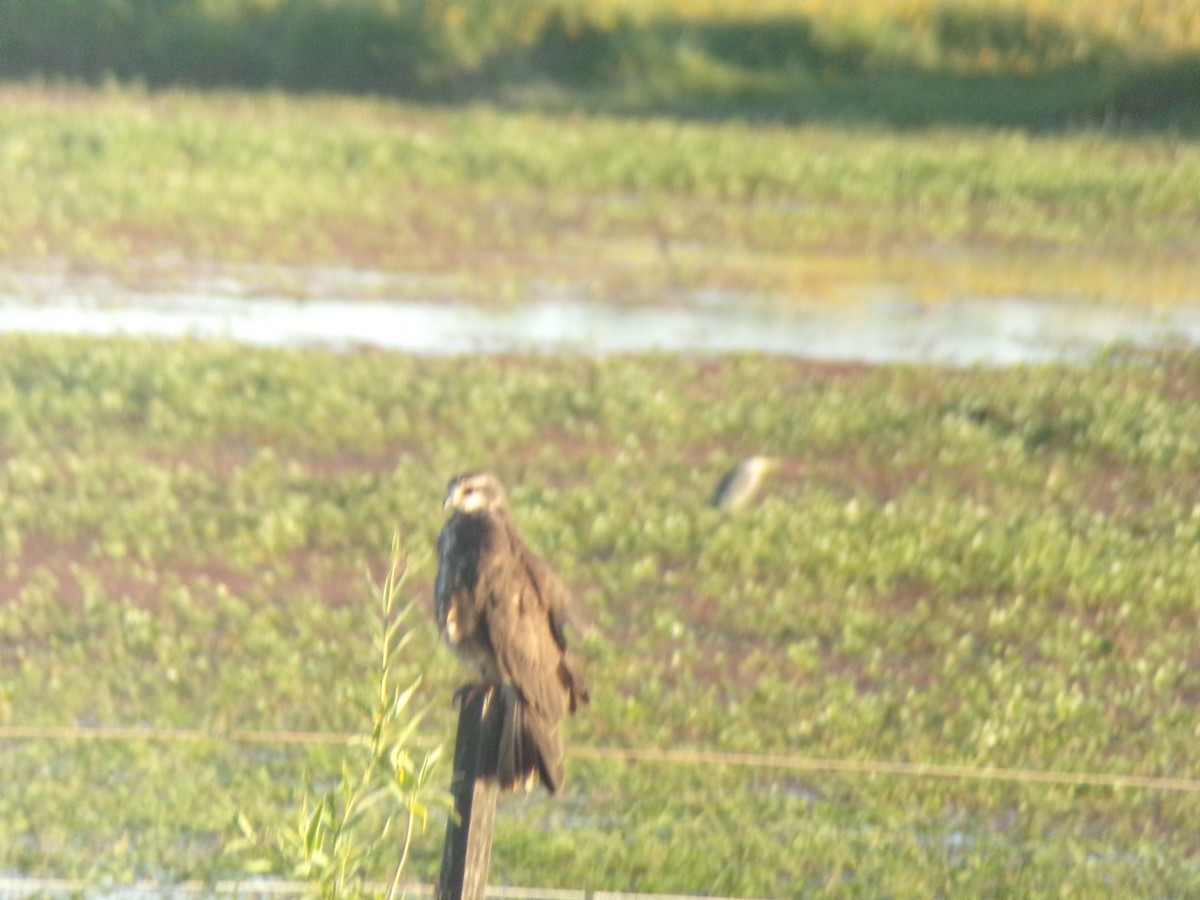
[[451, 496]]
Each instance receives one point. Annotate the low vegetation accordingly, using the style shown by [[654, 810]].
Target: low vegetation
[[986, 568], [979, 567], [499, 207], [1028, 63]]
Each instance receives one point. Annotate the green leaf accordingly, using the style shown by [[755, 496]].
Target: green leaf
[[243, 825], [259, 866], [312, 829]]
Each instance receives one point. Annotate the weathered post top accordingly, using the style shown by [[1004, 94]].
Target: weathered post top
[[467, 854]]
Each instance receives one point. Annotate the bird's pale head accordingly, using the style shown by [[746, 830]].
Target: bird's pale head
[[475, 492], [762, 465]]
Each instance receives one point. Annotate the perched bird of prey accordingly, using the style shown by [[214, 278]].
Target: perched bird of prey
[[504, 612], [742, 482]]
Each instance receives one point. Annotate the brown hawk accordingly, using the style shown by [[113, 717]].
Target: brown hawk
[[503, 611]]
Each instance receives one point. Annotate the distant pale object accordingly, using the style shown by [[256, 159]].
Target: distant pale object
[[743, 482]]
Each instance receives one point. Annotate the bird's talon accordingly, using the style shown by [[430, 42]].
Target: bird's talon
[[469, 693]]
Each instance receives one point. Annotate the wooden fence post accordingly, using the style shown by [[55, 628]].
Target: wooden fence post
[[467, 853]]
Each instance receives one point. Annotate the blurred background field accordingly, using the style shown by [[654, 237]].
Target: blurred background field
[[989, 567], [502, 205], [900, 62], [622, 151]]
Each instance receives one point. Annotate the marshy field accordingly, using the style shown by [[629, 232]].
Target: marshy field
[[951, 650]]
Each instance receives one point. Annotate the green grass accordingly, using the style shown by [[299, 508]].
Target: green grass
[[500, 205], [1015, 63], [981, 567]]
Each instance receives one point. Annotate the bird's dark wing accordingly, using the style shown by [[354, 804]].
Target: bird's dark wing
[[551, 593], [559, 612], [527, 652], [529, 661]]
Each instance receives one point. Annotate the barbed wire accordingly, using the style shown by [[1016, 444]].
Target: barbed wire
[[681, 757]]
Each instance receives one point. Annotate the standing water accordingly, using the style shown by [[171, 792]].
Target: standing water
[[344, 308]]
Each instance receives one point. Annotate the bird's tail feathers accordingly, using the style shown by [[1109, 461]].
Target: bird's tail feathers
[[529, 745]]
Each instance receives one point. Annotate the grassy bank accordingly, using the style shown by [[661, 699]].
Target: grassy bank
[[1024, 63], [500, 205], [992, 568]]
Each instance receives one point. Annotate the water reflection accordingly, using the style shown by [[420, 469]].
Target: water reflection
[[355, 311]]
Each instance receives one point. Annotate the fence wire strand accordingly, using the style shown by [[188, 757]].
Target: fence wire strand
[[678, 757], [11, 887]]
